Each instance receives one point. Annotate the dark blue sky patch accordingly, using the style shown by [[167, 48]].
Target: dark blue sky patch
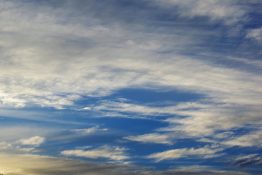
[[156, 96], [132, 126], [159, 96]]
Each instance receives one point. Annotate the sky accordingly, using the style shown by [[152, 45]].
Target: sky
[[130, 87]]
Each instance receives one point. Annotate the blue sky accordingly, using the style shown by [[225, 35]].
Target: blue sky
[[130, 87]]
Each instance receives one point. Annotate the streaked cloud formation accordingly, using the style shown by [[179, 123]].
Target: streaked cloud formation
[[226, 11], [161, 86], [151, 138], [178, 153], [116, 154]]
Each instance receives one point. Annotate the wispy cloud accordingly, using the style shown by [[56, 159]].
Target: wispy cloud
[[226, 11], [252, 139], [255, 34], [25, 145], [5, 145], [205, 152], [151, 138], [32, 141], [111, 153], [89, 131], [50, 86], [248, 160], [69, 59]]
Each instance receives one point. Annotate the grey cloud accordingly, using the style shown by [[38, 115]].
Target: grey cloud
[[248, 160]]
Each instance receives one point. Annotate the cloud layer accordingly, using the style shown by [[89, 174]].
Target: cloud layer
[[74, 77]]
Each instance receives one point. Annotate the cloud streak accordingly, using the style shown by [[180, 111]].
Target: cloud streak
[[226, 11], [111, 153], [151, 138], [204, 152]]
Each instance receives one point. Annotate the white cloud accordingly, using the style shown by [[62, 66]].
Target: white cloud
[[200, 118], [231, 139], [22, 145], [30, 74], [151, 138], [255, 34], [32, 141], [13, 133], [253, 139], [127, 107], [111, 153], [204, 152], [89, 131], [5, 146], [26, 149], [202, 122], [226, 11]]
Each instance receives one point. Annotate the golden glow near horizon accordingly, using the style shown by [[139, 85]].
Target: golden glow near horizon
[[18, 164], [23, 164]]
